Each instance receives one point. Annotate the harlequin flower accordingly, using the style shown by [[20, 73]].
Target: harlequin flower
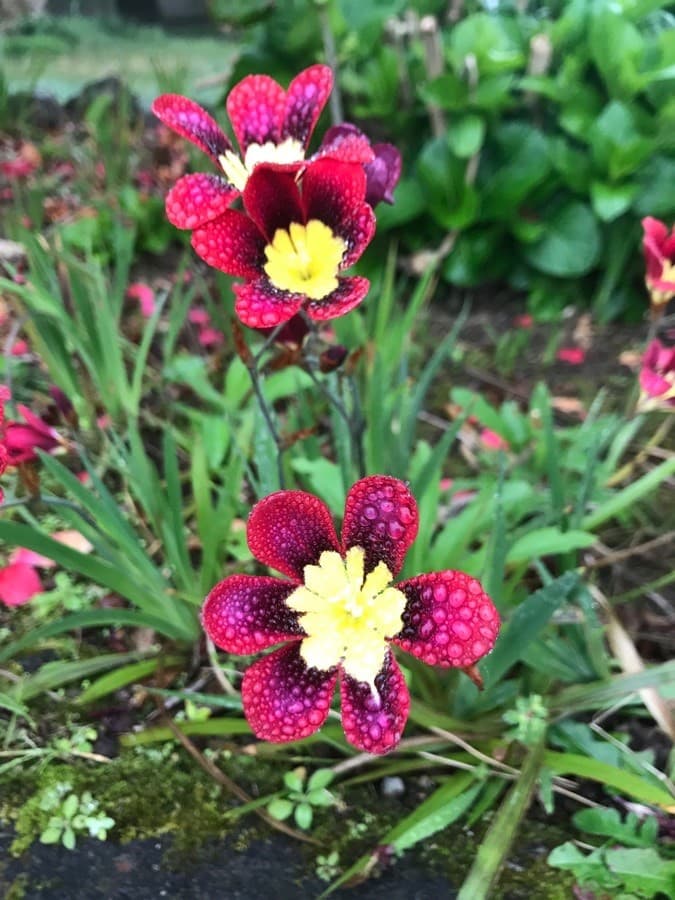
[[338, 613], [270, 124], [657, 377], [294, 238], [659, 249]]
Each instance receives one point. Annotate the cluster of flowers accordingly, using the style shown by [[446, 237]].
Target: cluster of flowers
[[20, 439], [287, 223], [657, 373]]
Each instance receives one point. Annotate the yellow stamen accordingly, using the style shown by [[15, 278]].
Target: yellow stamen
[[347, 617], [305, 259], [238, 172]]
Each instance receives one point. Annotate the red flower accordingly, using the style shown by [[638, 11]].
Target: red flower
[[575, 356], [339, 612], [270, 125], [657, 376], [21, 439], [295, 236], [659, 250]]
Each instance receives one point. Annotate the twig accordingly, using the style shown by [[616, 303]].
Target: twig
[[223, 681], [628, 552]]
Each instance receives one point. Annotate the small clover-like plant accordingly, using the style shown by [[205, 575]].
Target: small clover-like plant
[[72, 816], [302, 795], [529, 718]]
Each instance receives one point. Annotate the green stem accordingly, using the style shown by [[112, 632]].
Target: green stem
[[495, 847]]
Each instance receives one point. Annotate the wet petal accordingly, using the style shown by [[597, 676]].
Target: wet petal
[[306, 97], [347, 296], [380, 516], [232, 244], [382, 174], [283, 699], [260, 305], [289, 530], [256, 110], [272, 199], [373, 721], [188, 119], [449, 620], [247, 613], [358, 235], [346, 142], [197, 199]]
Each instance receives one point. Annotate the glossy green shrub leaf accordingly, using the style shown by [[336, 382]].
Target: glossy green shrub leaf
[[571, 245]]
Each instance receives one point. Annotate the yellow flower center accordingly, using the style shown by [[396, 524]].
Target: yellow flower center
[[305, 259], [347, 617], [237, 172]]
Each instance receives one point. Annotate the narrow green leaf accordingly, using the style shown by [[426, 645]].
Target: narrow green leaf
[[547, 541], [629, 495]]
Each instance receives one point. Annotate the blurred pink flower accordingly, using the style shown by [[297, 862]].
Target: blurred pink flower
[[22, 439], [145, 296], [658, 245], [210, 337], [199, 317], [657, 377], [19, 583], [523, 321], [493, 441], [20, 348], [575, 356]]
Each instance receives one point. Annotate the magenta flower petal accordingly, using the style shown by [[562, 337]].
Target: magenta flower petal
[[380, 516], [188, 119], [260, 305], [382, 174], [272, 199], [283, 699], [247, 613], [19, 583], [358, 235], [346, 142], [449, 620], [197, 199], [231, 243], [374, 721], [347, 296], [289, 530], [305, 100], [256, 109]]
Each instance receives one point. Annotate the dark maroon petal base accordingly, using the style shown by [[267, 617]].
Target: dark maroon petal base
[[380, 516], [247, 613], [347, 296], [449, 620], [374, 722], [260, 305], [231, 243], [306, 98], [289, 530], [283, 699]]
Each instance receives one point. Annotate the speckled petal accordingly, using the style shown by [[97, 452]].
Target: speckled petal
[[334, 192], [374, 721], [260, 305], [449, 620], [359, 234], [380, 516], [347, 296], [272, 199], [188, 119], [283, 699], [289, 530], [197, 199], [231, 243], [247, 613], [256, 110], [305, 100]]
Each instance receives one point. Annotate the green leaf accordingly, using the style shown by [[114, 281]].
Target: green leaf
[[55, 674], [611, 200], [466, 135], [571, 244], [527, 622], [642, 870], [123, 676], [320, 779], [548, 541], [18, 709], [70, 805], [519, 162], [280, 808], [303, 815], [608, 823]]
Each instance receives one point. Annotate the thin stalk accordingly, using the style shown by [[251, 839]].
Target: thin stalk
[[268, 416], [494, 849]]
